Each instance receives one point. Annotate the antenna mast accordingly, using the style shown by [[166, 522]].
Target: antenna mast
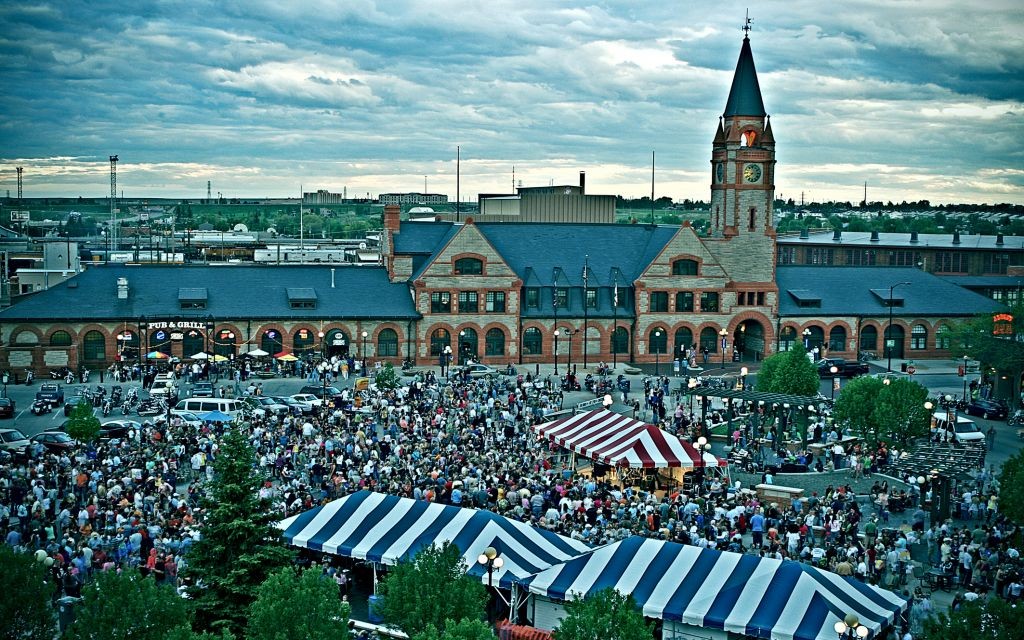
[[113, 203]]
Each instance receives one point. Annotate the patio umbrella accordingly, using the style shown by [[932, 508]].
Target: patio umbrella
[[218, 358], [200, 356], [157, 355], [216, 416], [286, 357], [257, 353]]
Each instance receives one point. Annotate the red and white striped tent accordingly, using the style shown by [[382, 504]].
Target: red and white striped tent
[[620, 441]]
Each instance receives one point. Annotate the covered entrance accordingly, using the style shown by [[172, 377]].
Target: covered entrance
[[749, 340], [336, 344], [894, 338]]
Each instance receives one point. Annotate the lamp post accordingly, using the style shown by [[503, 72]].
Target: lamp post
[[363, 349], [556, 351], [850, 628], [6, 379], [965, 377], [833, 370], [657, 352], [691, 385], [888, 330], [743, 378], [807, 339], [446, 358], [462, 347], [607, 401], [491, 560], [722, 343], [570, 333]]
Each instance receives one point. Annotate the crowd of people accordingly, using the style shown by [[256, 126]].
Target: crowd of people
[[468, 442]]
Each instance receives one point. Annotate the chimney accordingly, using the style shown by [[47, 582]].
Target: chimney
[[913, 237], [999, 239], [122, 288], [391, 214], [837, 235], [805, 234], [583, 182], [956, 236], [874, 236]]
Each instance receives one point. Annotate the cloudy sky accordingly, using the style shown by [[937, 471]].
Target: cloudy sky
[[922, 99]]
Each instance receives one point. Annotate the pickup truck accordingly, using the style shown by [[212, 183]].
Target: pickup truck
[[845, 368], [52, 393]]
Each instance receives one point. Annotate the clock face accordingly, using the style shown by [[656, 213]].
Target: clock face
[[752, 173], [568, 191], [719, 172]]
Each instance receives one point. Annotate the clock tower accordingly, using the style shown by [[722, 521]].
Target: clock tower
[[743, 158]]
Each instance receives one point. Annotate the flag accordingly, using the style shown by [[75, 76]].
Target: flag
[[615, 297]]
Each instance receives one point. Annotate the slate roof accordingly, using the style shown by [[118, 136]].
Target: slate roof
[[902, 240], [745, 94], [851, 291], [235, 292]]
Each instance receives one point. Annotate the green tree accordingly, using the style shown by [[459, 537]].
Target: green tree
[[25, 609], [405, 605], [900, 412], [999, 345], [83, 424], [128, 606], [464, 629], [1011, 476], [387, 377], [287, 591], [855, 407], [240, 546], [989, 618], [789, 372], [605, 615]]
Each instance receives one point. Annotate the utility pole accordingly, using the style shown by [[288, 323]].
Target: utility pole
[[113, 204]]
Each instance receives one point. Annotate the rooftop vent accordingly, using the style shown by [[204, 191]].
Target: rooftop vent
[[913, 237], [956, 236], [122, 288], [999, 239], [837, 235], [874, 236], [805, 234]]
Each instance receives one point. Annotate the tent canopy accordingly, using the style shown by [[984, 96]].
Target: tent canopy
[[386, 529], [620, 441], [216, 416], [741, 593]]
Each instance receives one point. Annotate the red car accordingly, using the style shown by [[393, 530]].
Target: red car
[[6, 408], [54, 441]]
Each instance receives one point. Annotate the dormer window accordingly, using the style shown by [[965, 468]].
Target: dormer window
[[192, 298], [301, 298], [684, 267], [469, 267]]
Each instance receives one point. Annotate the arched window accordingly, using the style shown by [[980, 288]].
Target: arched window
[[815, 337], [224, 343], [709, 339], [271, 342], [127, 345], [787, 338], [94, 347], [336, 343], [684, 267], [469, 267], [439, 339], [303, 342], [869, 338], [192, 342], [494, 342], [683, 341], [943, 338], [63, 339], [657, 340], [919, 337], [837, 339], [160, 340], [387, 343], [620, 340], [469, 347], [533, 342]]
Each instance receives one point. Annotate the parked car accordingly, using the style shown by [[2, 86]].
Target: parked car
[[118, 428], [51, 392], [987, 409], [187, 418], [480, 371], [6, 408], [294, 407], [73, 402], [307, 401], [54, 441], [14, 442], [202, 390], [318, 391], [844, 368], [264, 405]]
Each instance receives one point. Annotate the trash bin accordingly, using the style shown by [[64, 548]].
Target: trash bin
[[903, 367], [66, 611], [373, 605]]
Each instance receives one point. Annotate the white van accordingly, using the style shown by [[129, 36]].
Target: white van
[[163, 385], [966, 430], [200, 406]]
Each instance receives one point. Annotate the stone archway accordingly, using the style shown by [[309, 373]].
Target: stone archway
[[749, 340]]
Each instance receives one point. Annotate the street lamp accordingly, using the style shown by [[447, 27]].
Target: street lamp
[[833, 370], [888, 330], [722, 334], [607, 401], [851, 628], [446, 358], [491, 560], [556, 351], [7, 378], [570, 333], [965, 376], [691, 385], [743, 378], [364, 334], [807, 339], [463, 349], [657, 351]]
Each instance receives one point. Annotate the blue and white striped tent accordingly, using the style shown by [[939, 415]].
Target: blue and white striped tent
[[741, 593], [383, 528]]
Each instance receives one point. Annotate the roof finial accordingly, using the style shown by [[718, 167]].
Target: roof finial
[[746, 25]]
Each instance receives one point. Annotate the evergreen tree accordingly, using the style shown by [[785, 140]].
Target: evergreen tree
[[1011, 478], [387, 377], [25, 609], [240, 545], [298, 604], [83, 425], [412, 600], [989, 618], [128, 606], [605, 615]]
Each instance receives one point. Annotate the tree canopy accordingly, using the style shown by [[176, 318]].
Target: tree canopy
[[412, 599], [128, 606], [25, 609], [464, 629], [1011, 477], [289, 591], [995, 344], [605, 615], [989, 618], [241, 544], [83, 425], [789, 372], [874, 410]]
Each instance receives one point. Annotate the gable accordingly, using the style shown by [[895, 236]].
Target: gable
[[468, 242], [686, 244]]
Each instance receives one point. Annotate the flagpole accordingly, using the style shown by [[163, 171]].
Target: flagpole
[[586, 317], [615, 319]]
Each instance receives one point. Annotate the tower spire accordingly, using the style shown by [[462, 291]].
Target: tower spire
[[745, 94], [746, 26]]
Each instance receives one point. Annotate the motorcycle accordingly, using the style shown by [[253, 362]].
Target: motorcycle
[[570, 383], [59, 374], [407, 365], [107, 406], [39, 407], [1016, 419], [69, 377], [116, 394], [29, 377], [85, 376], [151, 407]]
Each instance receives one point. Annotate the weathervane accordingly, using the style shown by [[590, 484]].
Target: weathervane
[[746, 25]]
